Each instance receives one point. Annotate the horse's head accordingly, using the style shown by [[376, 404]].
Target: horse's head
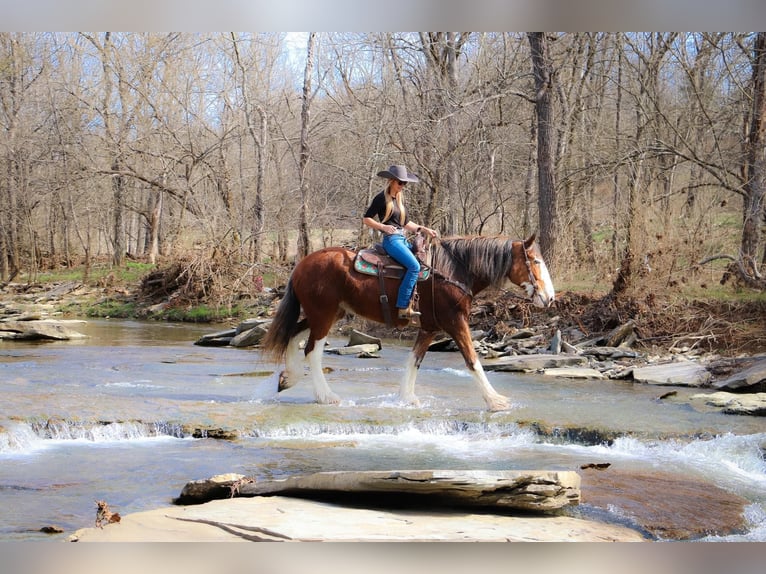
[[533, 275]]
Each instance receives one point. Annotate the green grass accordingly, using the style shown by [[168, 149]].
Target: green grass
[[131, 272], [111, 309], [199, 314]]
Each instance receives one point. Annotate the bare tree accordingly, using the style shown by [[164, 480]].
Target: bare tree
[[304, 239], [754, 188], [546, 198]]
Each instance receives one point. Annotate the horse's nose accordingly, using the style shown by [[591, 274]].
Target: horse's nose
[[543, 300]]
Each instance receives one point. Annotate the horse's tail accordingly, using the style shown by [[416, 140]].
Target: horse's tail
[[284, 326]]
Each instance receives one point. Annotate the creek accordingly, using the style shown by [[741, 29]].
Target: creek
[[131, 413]]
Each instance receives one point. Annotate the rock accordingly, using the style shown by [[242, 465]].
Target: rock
[[735, 404], [608, 352], [37, 330], [443, 345], [213, 488], [683, 373], [750, 380], [369, 349], [60, 290], [666, 506], [555, 346], [574, 373], [359, 338], [248, 324], [249, 337], [359, 344], [621, 335], [279, 518], [529, 491], [531, 363], [218, 339]]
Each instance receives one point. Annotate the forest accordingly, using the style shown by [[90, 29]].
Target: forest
[[637, 158]]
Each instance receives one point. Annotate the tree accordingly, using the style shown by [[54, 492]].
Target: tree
[[546, 198], [754, 170], [304, 239]]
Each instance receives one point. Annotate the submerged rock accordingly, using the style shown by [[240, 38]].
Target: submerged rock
[[753, 404], [666, 507]]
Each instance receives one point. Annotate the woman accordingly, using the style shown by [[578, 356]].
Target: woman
[[388, 207]]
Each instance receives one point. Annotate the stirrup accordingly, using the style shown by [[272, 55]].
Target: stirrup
[[409, 313]]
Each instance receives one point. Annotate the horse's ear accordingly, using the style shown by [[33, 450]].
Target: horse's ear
[[529, 241]]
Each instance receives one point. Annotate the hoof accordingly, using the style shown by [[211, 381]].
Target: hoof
[[499, 403], [328, 399], [411, 400], [284, 383]]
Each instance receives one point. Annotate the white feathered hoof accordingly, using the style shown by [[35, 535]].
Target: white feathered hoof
[[284, 382]]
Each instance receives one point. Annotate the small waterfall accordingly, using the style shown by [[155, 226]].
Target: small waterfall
[[22, 437]]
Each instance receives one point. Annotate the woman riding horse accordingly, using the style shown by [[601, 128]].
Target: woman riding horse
[[388, 207]]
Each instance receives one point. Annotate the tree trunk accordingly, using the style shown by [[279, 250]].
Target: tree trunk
[[546, 199], [304, 240], [753, 200]]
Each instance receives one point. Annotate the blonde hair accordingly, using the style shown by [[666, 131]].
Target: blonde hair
[[390, 204]]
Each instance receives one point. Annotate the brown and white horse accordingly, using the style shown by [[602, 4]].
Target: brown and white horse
[[326, 286]]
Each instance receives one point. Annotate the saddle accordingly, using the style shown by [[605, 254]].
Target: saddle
[[375, 261]]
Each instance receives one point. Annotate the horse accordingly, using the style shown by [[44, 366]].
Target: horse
[[326, 286]]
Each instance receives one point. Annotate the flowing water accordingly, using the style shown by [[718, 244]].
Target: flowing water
[[127, 416]]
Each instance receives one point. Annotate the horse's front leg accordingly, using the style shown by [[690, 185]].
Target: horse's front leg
[[495, 401], [414, 359]]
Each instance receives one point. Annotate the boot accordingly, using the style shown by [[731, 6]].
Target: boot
[[409, 314]]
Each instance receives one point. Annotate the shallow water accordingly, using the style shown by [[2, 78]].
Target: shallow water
[[111, 417]]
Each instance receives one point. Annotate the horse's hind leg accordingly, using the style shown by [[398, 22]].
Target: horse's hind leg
[[314, 352], [322, 391], [293, 360], [414, 359]]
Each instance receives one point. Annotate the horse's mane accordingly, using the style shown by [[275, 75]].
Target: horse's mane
[[470, 258]]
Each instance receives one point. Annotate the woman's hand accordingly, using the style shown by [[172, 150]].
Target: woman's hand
[[428, 231]]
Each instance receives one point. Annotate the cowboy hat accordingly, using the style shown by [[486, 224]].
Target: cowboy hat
[[398, 172]]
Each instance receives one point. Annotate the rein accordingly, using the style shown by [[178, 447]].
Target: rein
[[530, 275]]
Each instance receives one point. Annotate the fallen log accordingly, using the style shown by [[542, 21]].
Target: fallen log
[[529, 491]]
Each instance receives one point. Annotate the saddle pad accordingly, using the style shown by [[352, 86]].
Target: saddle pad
[[367, 260]]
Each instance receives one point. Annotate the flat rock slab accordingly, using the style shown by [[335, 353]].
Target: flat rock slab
[[681, 374], [354, 349], [532, 363], [574, 373], [752, 378], [664, 505], [38, 331], [277, 518], [753, 404]]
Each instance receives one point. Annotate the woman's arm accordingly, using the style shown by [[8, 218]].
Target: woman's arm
[[415, 228], [377, 226]]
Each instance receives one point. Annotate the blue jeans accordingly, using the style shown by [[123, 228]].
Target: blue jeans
[[398, 248]]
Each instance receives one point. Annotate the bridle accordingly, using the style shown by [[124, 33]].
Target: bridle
[[468, 291], [530, 274]]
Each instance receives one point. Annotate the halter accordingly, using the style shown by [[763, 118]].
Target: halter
[[531, 276]]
